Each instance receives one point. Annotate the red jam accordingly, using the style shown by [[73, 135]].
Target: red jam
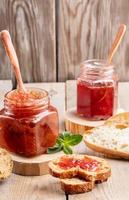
[[29, 124], [85, 163], [96, 92], [96, 101]]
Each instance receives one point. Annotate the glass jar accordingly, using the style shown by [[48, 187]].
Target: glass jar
[[29, 124], [97, 90]]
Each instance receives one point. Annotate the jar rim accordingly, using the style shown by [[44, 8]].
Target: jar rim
[[43, 99], [97, 64]]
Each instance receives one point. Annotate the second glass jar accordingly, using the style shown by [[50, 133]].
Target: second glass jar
[[97, 90]]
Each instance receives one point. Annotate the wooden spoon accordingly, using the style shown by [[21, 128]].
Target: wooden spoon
[[9, 48], [116, 42]]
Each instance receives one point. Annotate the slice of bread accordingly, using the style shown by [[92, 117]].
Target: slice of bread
[[99, 169], [6, 164], [76, 185], [109, 140], [120, 120]]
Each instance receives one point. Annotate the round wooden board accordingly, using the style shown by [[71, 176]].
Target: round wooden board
[[35, 166], [77, 124]]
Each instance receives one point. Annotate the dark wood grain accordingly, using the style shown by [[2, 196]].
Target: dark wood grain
[[32, 26], [86, 30]]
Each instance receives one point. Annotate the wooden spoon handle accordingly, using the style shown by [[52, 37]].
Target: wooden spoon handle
[[116, 42], [9, 48]]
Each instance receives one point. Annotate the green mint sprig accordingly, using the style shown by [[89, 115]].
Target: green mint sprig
[[64, 143]]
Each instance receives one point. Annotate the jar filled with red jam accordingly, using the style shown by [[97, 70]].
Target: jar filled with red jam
[[28, 123], [97, 88]]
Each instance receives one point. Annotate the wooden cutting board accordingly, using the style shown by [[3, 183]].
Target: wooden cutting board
[[35, 166], [77, 124]]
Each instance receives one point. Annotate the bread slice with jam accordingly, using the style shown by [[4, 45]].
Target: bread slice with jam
[[89, 168]]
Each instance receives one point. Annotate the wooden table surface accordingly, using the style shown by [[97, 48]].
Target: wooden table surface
[[47, 187]]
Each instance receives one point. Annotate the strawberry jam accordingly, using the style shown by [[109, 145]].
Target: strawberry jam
[[29, 124], [97, 90], [85, 163]]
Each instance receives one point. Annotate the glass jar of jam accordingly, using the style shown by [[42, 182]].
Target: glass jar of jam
[[97, 88], [28, 123]]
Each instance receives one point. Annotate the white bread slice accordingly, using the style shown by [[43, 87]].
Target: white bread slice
[[109, 140], [101, 174], [6, 164], [76, 185], [120, 120]]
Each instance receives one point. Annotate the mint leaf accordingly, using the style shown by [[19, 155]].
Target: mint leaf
[[67, 149], [59, 141], [54, 149], [64, 141], [73, 140], [65, 135]]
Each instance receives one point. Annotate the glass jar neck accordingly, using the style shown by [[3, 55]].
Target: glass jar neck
[[96, 69], [26, 108]]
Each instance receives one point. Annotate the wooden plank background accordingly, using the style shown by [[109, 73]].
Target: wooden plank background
[[32, 27], [52, 37]]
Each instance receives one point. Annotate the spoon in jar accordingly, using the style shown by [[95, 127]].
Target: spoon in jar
[[116, 42], [10, 51]]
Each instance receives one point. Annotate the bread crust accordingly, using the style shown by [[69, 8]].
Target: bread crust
[[120, 120], [72, 186], [62, 174], [6, 164]]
